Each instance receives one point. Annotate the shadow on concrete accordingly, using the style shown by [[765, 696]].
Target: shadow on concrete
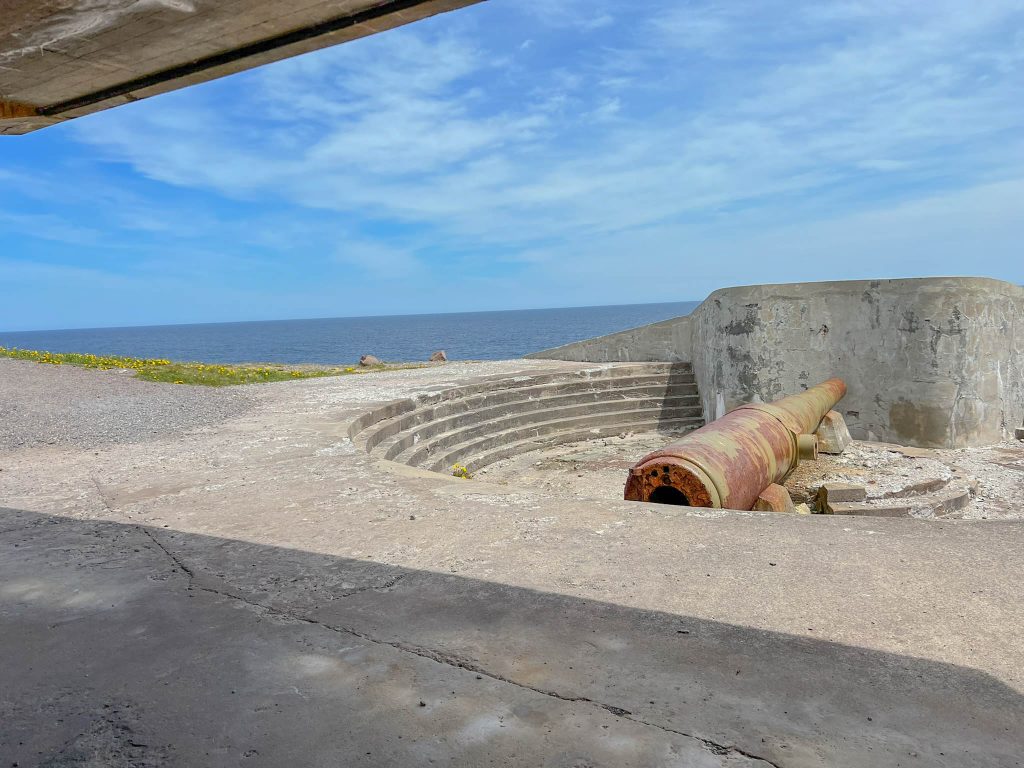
[[680, 381], [133, 645]]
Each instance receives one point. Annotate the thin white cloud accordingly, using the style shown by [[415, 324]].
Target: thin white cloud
[[583, 15], [48, 226], [378, 260]]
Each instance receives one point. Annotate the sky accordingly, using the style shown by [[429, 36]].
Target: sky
[[527, 153]]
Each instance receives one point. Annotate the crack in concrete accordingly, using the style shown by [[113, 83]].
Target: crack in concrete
[[102, 495], [176, 560], [451, 660], [455, 661], [370, 587]]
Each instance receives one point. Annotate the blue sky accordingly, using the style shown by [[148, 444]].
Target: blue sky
[[523, 153]]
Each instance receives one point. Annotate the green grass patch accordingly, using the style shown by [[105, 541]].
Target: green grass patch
[[203, 374]]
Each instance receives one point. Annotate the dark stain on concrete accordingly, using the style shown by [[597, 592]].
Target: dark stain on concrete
[[909, 322], [871, 300], [745, 326], [921, 425], [954, 328], [746, 370]]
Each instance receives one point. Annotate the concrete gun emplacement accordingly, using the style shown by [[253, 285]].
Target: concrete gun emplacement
[[728, 463]]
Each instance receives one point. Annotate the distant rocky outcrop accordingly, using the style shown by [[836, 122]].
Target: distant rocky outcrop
[[367, 360], [439, 357]]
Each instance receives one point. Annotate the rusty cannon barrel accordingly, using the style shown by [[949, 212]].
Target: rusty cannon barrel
[[730, 461]]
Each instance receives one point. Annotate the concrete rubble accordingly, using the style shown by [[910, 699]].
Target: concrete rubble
[[774, 498], [831, 493], [833, 434]]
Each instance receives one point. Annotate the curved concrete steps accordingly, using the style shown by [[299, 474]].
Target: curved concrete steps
[[456, 414], [483, 451], [494, 419], [447, 432]]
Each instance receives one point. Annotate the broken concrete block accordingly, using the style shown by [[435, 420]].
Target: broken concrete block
[[867, 511], [774, 498], [832, 434], [1019, 433], [959, 496], [834, 493]]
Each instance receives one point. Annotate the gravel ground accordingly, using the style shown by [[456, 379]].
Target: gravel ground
[[999, 470], [886, 470], [68, 406], [881, 469]]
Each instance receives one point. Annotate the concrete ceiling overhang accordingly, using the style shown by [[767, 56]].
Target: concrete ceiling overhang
[[61, 59]]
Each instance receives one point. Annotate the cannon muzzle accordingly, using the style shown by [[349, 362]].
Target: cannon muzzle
[[729, 462]]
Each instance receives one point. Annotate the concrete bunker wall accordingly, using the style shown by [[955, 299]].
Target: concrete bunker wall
[[934, 362], [668, 341]]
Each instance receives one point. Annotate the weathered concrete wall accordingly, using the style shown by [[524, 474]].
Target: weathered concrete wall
[[930, 362], [666, 341]]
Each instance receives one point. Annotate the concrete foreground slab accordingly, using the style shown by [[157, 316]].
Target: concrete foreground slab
[[257, 592], [125, 660]]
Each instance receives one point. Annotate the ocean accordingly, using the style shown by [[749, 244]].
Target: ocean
[[342, 340]]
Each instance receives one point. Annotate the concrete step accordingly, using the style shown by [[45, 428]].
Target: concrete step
[[676, 373], [432, 410], [630, 398], [671, 430], [484, 440], [596, 375], [411, 448], [486, 450], [655, 385]]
